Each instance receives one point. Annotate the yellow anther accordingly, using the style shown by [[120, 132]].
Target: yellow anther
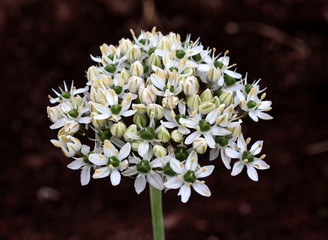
[[116, 151], [263, 96], [101, 156], [226, 52], [204, 169], [198, 128], [189, 184], [110, 166], [57, 144], [153, 31], [267, 109], [238, 148], [263, 156], [181, 165], [214, 49], [107, 144], [49, 96], [234, 117], [79, 109], [179, 177], [248, 140], [184, 124], [103, 102], [194, 112], [170, 56], [245, 160], [200, 109], [253, 91], [202, 182], [191, 42], [256, 165], [259, 104], [98, 171], [132, 32], [260, 145], [192, 160]]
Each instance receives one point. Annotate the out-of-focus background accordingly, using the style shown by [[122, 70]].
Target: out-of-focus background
[[282, 42]]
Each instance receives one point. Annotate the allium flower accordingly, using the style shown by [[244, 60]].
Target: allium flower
[[247, 158], [67, 94]]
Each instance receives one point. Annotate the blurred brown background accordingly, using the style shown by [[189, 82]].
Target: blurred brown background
[[282, 42]]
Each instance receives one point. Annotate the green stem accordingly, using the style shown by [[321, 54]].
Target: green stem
[[156, 212]]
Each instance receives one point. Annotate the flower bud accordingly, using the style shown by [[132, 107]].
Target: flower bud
[[193, 102], [177, 136], [107, 50], [164, 43], [190, 86], [125, 44], [206, 96], [235, 132], [118, 129], [92, 73], [200, 145], [146, 95], [96, 122], [107, 81], [137, 69], [55, 113], [72, 127], [141, 108], [213, 75], [154, 60], [163, 134], [135, 145], [207, 107], [170, 102], [130, 131], [189, 71], [156, 109], [69, 145], [159, 151], [135, 83], [133, 54], [216, 101], [140, 120], [226, 98], [125, 75]]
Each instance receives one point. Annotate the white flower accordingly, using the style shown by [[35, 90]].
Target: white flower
[[84, 164], [67, 95], [222, 144], [144, 169], [69, 145], [247, 158], [112, 162], [188, 176]]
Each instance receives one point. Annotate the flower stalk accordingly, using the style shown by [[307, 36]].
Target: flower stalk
[[156, 213]]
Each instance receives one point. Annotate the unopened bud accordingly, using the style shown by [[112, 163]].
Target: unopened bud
[[133, 54], [125, 44], [131, 130], [156, 109], [92, 73], [140, 120], [125, 75], [190, 86], [159, 151], [206, 96], [135, 83], [226, 98], [146, 95], [118, 129], [207, 107], [177, 136], [200, 145], [163, 134], [193, 102], [154, 60], [213, 75], [164, 43], [72, 127], [137, 69]]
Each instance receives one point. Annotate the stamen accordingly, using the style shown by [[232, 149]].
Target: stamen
[[248, 140], [101, 156], [116, 151], [263, 156], [202, 182], [98, 171], [263, 96]]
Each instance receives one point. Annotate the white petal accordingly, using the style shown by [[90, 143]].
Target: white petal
[[192, 137], [204, 171], [256, 147], [155, 180], [214, 153], [58, 124], [189, 123], [169, 124], [173, 183], [128, 113], [225, 159], [124, 152], [157, 81], [111, 97], [263, 115], [130, 171], [203, 67], [109, 149], [95, 159], [210, 140], [184, 192], [202, 189], [140, 184], [85, 176], [85, 149], [192, 161], [241, 143], [260, 164], [115, 177], [251, 172], [77, 164], [232, 74], [253, 116], [232, 153], [176, 166], [218, 131], [143, 149], [84, 120], [101, 173], [212, 116], [237, 167]]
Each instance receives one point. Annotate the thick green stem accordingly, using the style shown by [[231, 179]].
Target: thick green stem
[[156, 212]]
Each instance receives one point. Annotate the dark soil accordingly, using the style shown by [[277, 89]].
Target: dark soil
[[284, 43]]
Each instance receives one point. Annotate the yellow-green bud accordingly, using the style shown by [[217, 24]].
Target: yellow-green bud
[[125, 75], [135, 145], [207, 107], [133, 54], [200, 145], [140, 120], [216, 101], [193, 102], [96, 122], [235, 132], [92, 73], [154, 60], [206, 96], [137, 69], [159, 151], [177, 136], [141, 108], [156, 109], [164, 43], [135, 83], [163, 134], [226, 98], [72, 127], [118, 129], [131, 130], [190, 86], [146, 95], [170, 102], [213, 75], [125, 44], [107, 81], [189, 71]]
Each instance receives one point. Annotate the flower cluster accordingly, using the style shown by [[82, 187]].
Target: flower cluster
[[152, 108]]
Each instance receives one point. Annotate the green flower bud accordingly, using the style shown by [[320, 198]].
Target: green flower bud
[[137, 69], [133, 54], [163, 134], [180, 54], [147, 133], [141, 108], [177, 136], [190, 176], [251, 104], [156, 109], [181, 154], [206, 96], [197, 57], [159, 151], [216, 102], [193, 102], [207, 107], [154, 60], [135, 83], [125, 75], [118, 129], [167, 170], [190, 86], [248, 156], [226, 98], [218, 64], [92, 73], [248, 88], [222, 140], [131, 130], [200, 145], [144, 166], [135, 145], [104, 134], [140, 120], [229, 80], [110, 68]]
